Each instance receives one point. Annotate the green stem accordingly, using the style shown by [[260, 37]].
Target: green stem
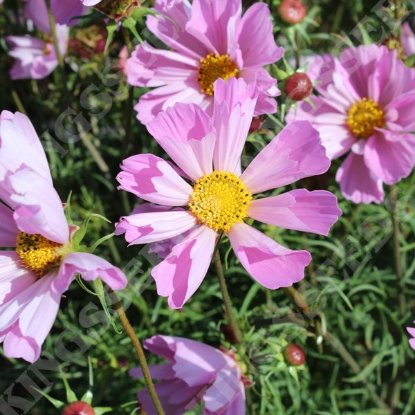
[[397, 255], [225, 295], [54, 35], [139, 350], [348, 358], [297, 49], [18, 102]]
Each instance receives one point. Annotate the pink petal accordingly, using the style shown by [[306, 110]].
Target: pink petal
[[408, 39], [210, 20], [152, 179], [299, 210], [266, 85], [357, 182], [28, 318], [38, 206], [403, 108], [181, 273], [149, 66], [295, 153], [234, 104], [162, 371], [8, 229], [90, 267], [186, 134], [157, 226], [271, 264], [14, 278], [172, 29], [20, 146], [256, 38], [161, 98], [389, 158]]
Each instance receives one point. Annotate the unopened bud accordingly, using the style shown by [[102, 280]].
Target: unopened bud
[[292, 11], [298, 86], [294, 355]]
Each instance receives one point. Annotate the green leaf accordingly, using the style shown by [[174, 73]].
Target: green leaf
[[130, 24], [55, 402]]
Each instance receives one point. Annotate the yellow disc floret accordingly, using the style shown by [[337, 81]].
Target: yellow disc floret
[[220, 200], [364, 116], [37, 253], [212, 68]]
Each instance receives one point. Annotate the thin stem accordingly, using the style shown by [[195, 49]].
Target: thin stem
[[298, 301], [54, 35], [225, 295], [396, 250], [348, 358], [18, 102], [297, 49], [140, 352]]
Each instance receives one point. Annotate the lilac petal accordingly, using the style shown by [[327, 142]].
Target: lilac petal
[[238, 405], [186, 134], [198, 364], [38, 206], [181, 273], [8, 229], [164, 346], [271, 264], [390, 159], [234, 104], [293, 154], [20, 145], [299, 210], [357, 182], [90, 267], [157, 226], [28, 318], [152, 179], [256, 38], [170, 27], [162, 371], [224, 391], [210, 20]]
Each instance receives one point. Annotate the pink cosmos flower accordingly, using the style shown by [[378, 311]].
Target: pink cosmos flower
[[36, 58], [208, 151], [411, 331], [365, 108], [63, 11], [408, 39], [195, 372], [34, 276], [208, 40]]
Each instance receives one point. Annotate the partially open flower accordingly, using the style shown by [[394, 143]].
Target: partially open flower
[[298, 86], [292, 11]]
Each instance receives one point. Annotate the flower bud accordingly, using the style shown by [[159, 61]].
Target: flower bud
[[117, 9], [292, 11], [78, 408], [298, 86], [256, 123], [294, 355]]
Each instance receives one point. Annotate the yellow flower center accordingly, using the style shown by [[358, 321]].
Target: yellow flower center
[[212, 68], [37, 253], [220, 200], [364, 116]]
